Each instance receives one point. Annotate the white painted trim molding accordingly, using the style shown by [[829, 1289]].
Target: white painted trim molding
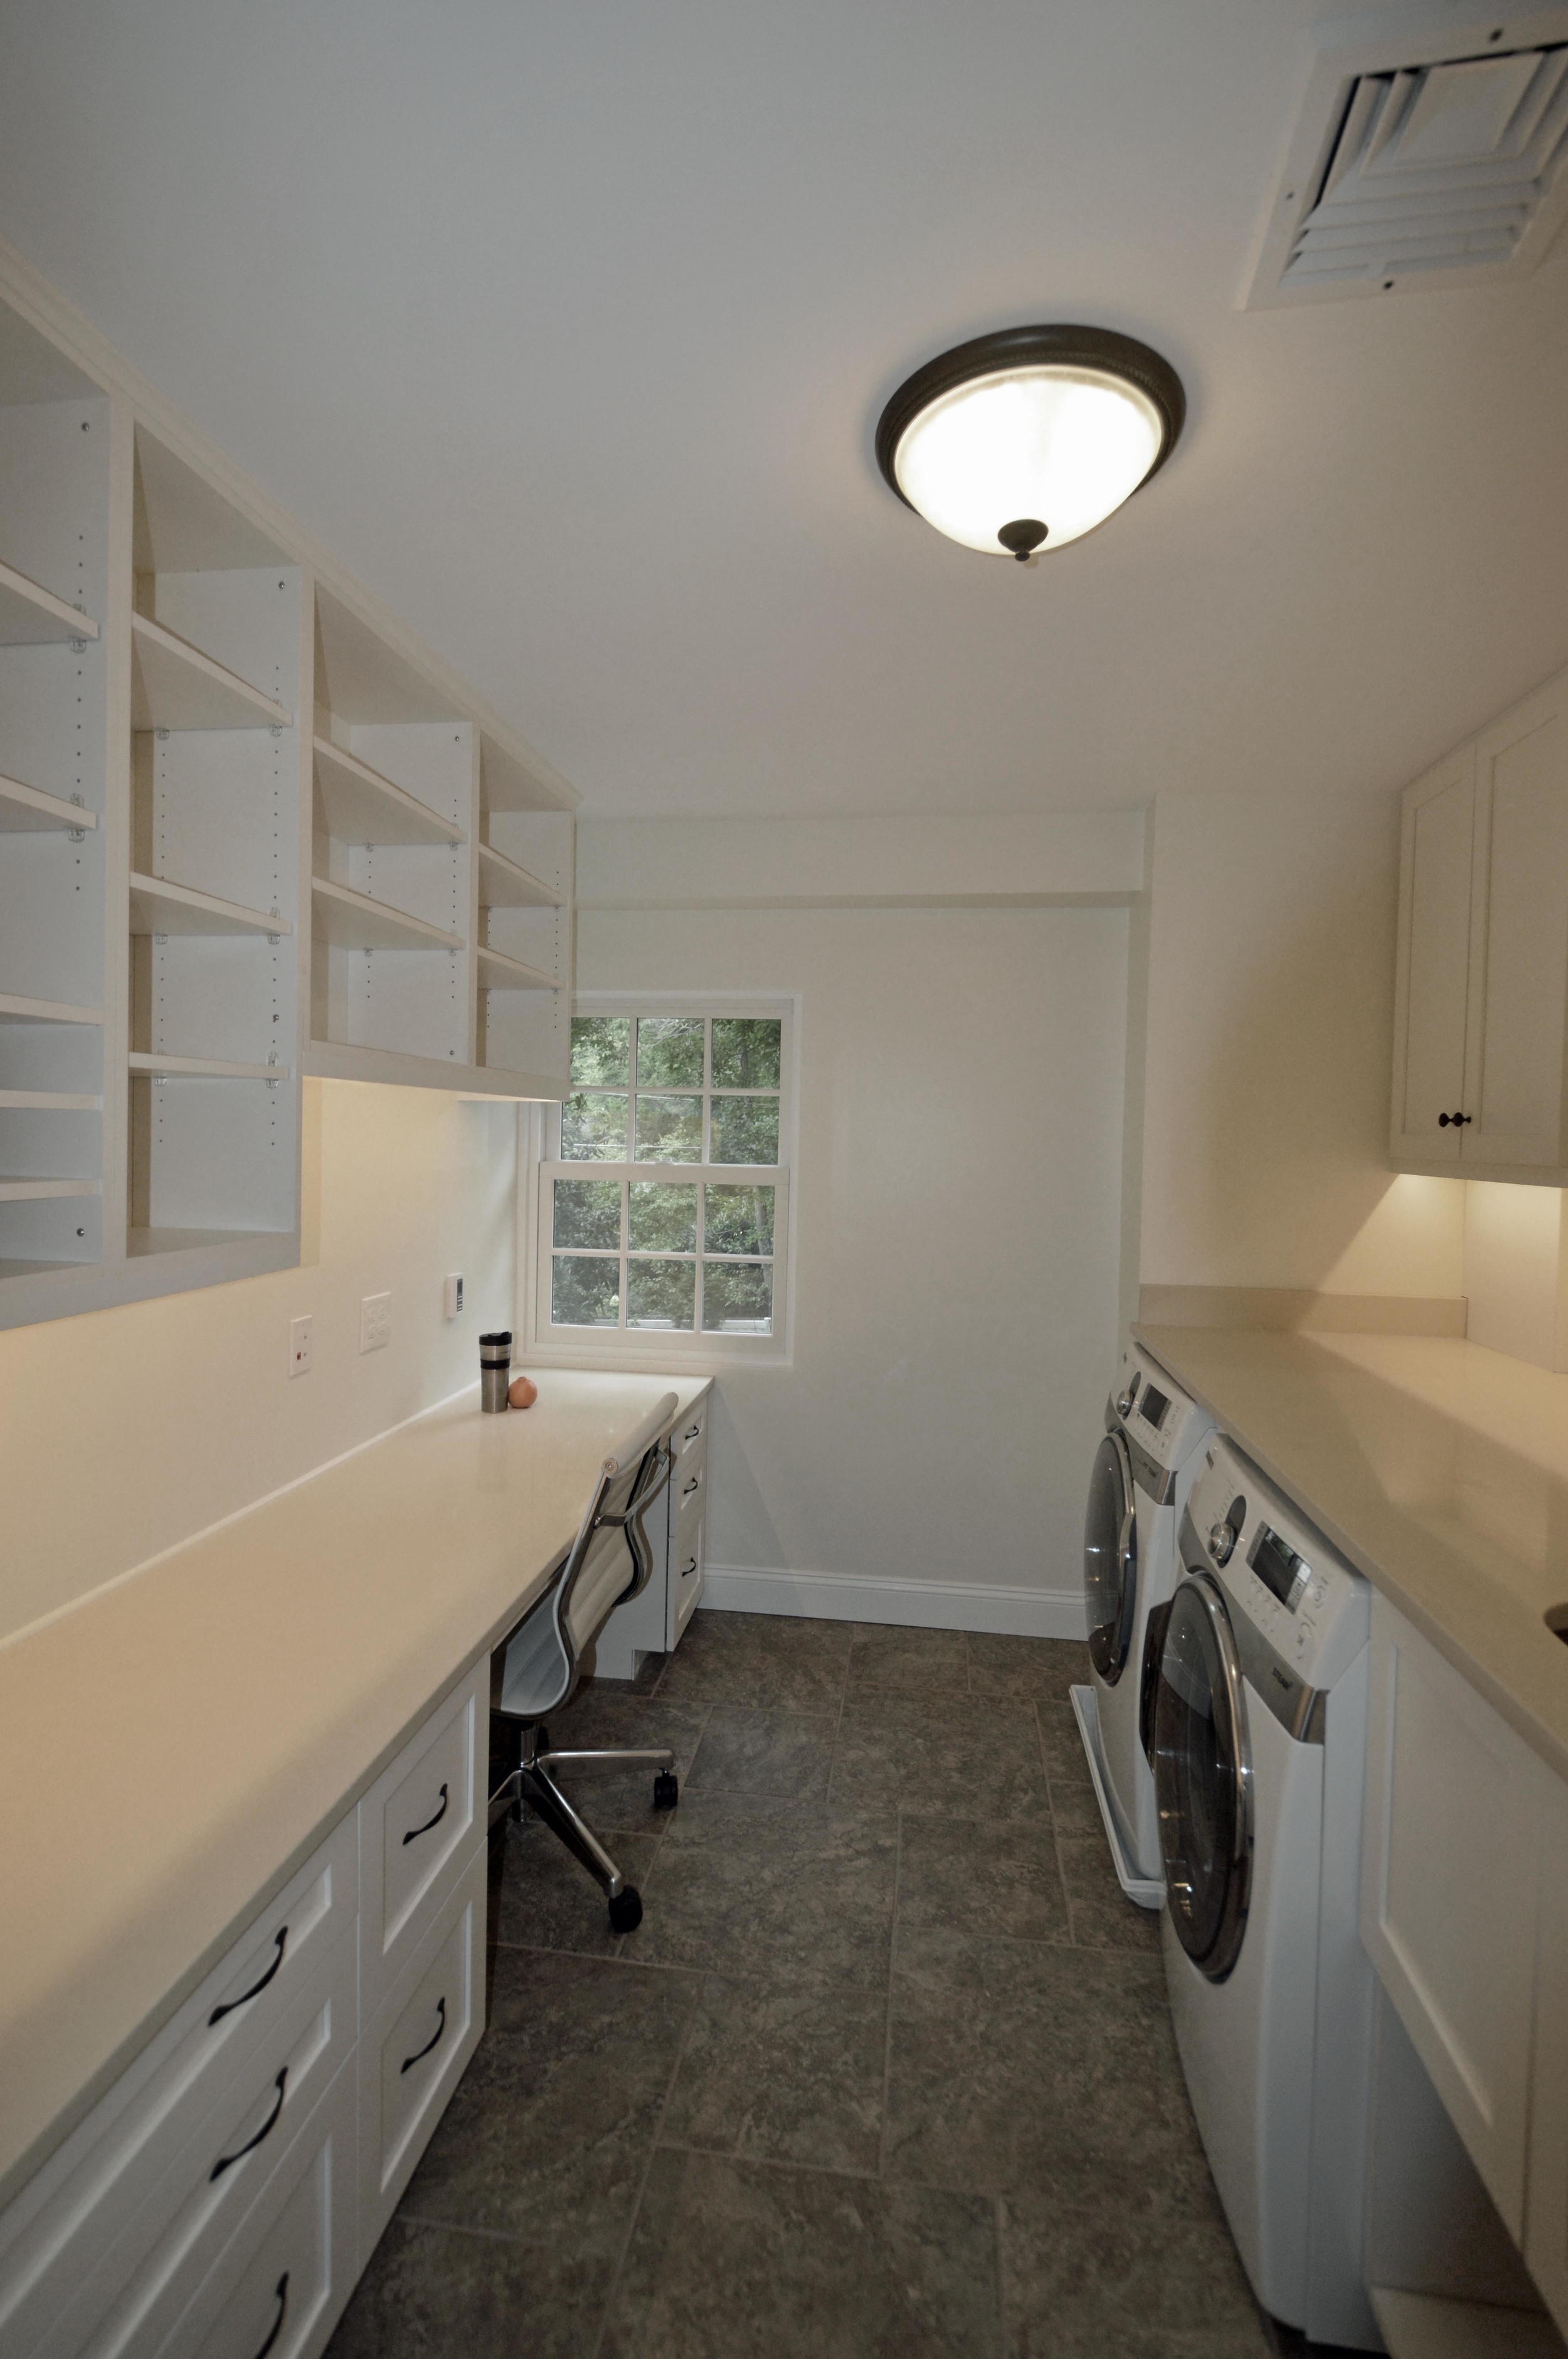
[[912, 1604]]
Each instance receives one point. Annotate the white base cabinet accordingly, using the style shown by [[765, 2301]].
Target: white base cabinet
[[1465, 1914], [222, 2198]]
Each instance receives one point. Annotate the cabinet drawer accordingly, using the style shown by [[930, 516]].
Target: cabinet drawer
[[143, 2286], [689, 1433], [688, 1479], [108, 2180], [687, 1557], [412, 2056], [417, 1825], [277, 2290]]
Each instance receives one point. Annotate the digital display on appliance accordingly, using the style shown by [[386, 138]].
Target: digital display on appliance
[[1276, 1566], [1154, 1407]]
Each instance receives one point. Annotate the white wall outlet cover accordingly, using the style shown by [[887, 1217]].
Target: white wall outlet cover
[[299, 1346], [454, 1296], [375, 1321]]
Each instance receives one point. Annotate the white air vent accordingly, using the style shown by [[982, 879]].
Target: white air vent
[[1436, 156]]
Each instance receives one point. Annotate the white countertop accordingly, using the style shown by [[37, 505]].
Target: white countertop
[[1439, 1468], [174, 1748]]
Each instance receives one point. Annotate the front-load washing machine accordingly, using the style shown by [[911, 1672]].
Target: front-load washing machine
[[1143, 1472], [1259, 1723]]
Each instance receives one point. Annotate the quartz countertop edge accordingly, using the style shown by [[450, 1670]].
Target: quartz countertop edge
[[1438, 1467], [240, 1693]]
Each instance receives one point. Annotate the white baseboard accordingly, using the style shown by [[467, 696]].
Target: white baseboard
[[914, 1605]]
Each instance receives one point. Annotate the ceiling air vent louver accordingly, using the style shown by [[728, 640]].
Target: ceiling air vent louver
[[1436, 156]]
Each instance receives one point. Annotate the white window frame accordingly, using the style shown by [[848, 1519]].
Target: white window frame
[[631, 1347]]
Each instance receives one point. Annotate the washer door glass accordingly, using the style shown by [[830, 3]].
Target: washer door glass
[[1203, 1780], [1111, 1559]]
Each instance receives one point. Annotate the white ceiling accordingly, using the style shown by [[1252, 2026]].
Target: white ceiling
[[567, 324]]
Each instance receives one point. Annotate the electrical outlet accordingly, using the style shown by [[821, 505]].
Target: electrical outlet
[[375, 1321], [299, 1346], [454, 1295]]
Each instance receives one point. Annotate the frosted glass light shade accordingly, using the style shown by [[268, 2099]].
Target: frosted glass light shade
[[1031, 438]]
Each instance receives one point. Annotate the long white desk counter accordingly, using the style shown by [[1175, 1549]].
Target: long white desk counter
[[172, 1750]]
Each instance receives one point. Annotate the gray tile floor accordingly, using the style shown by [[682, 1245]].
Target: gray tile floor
[[886, 2072]]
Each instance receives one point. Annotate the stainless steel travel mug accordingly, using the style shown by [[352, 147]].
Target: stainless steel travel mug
[[494, 1369]]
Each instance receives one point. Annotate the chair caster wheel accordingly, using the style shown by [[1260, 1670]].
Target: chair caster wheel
[[666, 1790], [626, 1910]]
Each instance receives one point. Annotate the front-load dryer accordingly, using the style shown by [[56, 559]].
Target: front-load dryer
[[1138, 1487], [1259, 1723]]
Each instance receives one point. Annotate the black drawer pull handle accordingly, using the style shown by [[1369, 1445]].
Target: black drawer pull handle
[[279, 2295], [440, 2035], [265, 2131], [687, 1488], [691, 1433], [255, 1989], [1458, 1120], [435, 1821], [687, 1569]]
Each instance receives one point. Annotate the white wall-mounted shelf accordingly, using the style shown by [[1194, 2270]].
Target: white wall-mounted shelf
[[23, 1191], [31, 616], [498, 973], [27, 810], [175, 686], [201, 1069], [14, 1009], [231, 708], [504, 884], [159, 908], [353, 921], [362, 806], [50, 1102]]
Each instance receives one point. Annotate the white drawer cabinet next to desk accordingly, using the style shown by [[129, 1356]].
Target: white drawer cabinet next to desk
[[224, 2195], [652, 1623]]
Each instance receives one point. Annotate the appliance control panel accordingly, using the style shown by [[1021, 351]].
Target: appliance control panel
[[1312, 1607], [1155, 1412]]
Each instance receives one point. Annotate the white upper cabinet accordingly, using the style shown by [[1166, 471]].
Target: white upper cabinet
[[1481, 1000]]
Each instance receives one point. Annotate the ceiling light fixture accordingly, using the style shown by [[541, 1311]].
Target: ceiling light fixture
[[1030, 438]]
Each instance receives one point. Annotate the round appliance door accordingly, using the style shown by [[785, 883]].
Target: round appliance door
[[1202, 1778], [1111, 1559]]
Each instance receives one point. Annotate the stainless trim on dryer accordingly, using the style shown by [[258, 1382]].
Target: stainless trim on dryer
[[1156, 1482], [1299, 1710]]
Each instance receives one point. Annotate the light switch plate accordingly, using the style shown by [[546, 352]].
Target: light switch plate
[[299, 1346], [454, 1296], [375, 1321]]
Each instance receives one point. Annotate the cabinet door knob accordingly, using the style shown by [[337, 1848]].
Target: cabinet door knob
[[1458, 1120]]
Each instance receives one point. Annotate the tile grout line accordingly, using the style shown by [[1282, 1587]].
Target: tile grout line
[[1056, 1835], [636, 2212], [887, 2026]]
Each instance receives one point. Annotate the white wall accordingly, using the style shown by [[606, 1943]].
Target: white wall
[[124, 1431], [957, 1205], [1270, 1024]]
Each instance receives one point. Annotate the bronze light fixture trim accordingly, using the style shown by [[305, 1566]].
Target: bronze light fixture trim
[[1031, 437]]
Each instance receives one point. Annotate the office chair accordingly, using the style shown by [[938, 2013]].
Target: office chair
[[537, 1668]]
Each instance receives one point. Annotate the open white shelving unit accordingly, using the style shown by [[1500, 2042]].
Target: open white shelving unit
[[251, 831]]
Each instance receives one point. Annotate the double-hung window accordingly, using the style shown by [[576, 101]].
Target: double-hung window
[[663, 1199]]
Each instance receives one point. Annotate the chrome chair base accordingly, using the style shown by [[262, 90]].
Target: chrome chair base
[[531, 1783]]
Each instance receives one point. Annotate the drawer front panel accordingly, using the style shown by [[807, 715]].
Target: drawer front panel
[[277, 2291], [115, 2167], [687, 1558], [196, 2207], [417, 1825], [412, 2056], [689, 1433], [688, 1479]]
